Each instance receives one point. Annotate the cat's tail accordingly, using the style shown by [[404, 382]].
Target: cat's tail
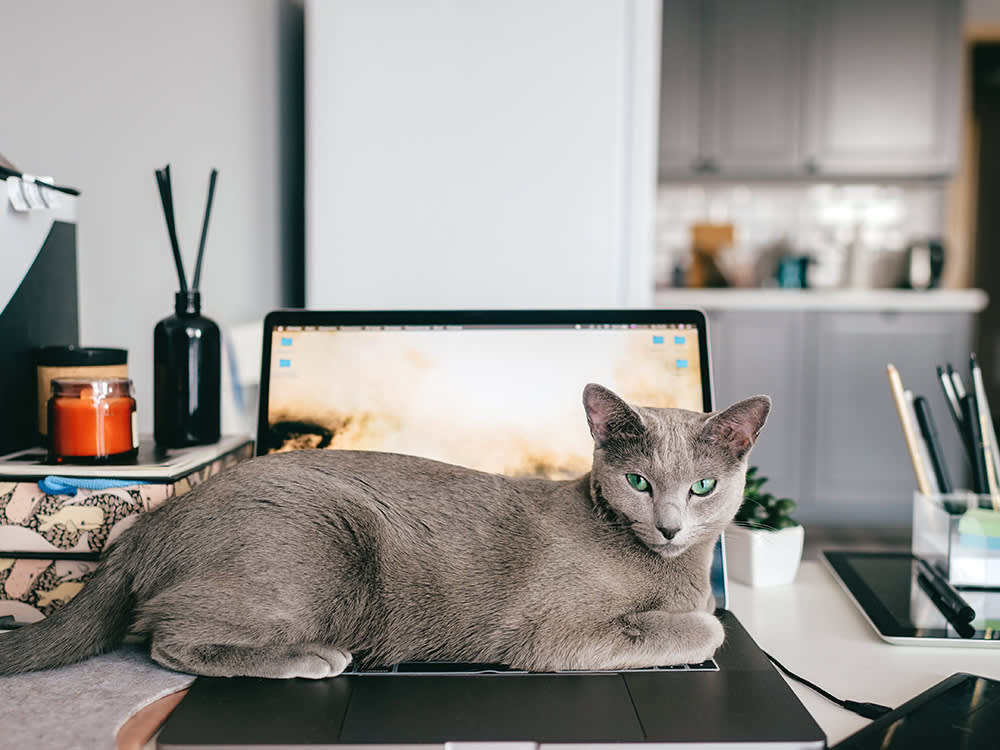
[[95, 621]]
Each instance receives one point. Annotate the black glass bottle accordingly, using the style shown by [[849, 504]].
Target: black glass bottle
[[186, 377]]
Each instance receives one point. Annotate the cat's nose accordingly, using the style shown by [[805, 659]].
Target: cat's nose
[[668, 532]]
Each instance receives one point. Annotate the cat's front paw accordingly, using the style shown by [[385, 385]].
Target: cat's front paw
[[708, 634], [696, 637], [317, 662]]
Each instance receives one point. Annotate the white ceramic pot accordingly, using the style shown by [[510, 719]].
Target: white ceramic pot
[[759, 557]]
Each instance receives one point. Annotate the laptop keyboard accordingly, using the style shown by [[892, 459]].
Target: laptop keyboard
[[458, 668]]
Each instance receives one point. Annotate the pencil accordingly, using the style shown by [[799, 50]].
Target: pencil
[[909, 433]]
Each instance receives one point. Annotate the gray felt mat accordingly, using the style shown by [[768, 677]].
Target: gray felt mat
[[81, 706]]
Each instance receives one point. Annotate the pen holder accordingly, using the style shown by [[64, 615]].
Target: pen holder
[[959, 534]]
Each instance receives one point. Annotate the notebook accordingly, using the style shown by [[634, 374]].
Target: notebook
[[498, 391]]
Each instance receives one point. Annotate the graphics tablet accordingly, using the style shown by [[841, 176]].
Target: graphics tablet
[[885, 587], [960, 711]]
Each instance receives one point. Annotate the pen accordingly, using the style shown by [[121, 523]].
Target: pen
[[989, 436], [964, 629], [970, 416], [923, 450], [928, 430], [946, 592], [909, 432]]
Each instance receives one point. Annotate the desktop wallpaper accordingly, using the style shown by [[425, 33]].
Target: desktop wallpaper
[[498, 400]]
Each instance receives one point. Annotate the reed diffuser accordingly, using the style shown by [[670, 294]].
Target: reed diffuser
[[186, 348]]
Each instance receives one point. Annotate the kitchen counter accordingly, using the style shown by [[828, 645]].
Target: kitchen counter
[[843, 300]]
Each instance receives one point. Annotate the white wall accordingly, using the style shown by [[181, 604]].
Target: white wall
[[99, 94]]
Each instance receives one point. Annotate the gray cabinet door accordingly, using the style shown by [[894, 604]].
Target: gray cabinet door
[[884, 86], [860, 471], [761, 352], [754, 69], [680, 88]]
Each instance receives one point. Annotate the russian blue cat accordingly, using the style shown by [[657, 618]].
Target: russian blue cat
[[293, 564]]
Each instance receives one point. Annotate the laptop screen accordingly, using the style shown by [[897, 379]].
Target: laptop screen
[[500, 392]]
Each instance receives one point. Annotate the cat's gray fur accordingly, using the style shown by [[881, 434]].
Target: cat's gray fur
[[289, 564]]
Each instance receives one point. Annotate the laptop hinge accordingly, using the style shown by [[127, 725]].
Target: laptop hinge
[[516, 745]]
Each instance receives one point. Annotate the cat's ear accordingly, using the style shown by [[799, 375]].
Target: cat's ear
[[608, 415], [737, 427]]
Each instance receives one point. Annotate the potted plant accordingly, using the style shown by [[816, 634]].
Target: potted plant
[[764, 542]]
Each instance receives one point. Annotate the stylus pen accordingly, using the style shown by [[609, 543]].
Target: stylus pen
[[964, 629], [928, 430], [947, 593]]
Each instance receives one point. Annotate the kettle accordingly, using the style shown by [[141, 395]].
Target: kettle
[[922, 265]]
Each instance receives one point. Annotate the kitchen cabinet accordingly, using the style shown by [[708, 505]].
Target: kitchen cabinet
[[835, 88], [884, 87], [753, 112], [730, 87]]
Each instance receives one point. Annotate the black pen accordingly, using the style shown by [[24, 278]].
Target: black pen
[[946, 592], [963, 627], [970, 416], [929, 432]]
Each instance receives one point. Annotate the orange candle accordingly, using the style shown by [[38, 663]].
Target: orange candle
[[92, 420]]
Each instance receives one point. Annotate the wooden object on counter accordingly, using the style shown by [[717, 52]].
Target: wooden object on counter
[[707, 242]]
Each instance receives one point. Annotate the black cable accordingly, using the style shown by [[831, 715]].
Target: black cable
[[868, 710]]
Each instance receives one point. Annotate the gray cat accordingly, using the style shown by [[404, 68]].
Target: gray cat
[[292, 564]]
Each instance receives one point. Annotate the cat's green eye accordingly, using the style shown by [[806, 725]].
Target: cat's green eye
[[638, 482], [703, 487]]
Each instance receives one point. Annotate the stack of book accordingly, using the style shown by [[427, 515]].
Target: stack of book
[[56, 520]]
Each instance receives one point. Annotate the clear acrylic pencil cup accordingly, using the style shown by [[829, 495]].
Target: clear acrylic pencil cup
[[959, 534]]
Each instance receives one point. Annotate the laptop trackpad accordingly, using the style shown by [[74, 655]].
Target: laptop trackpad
[[539, 708]]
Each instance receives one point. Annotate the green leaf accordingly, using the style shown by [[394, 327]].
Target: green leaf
[[785, 506]]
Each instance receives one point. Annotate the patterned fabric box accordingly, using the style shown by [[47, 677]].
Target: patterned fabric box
[[49, 544]]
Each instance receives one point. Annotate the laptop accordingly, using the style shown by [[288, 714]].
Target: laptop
[[499, 391]]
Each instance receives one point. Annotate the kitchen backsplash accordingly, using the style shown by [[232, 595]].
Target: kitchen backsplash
[[854, 234]]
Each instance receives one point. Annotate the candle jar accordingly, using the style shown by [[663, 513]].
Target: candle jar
[[92, 420], [73, 362]]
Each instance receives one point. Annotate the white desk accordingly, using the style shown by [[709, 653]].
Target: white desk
[[814, 629]]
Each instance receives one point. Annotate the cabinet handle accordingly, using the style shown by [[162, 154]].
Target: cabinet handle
[[812, 166]]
